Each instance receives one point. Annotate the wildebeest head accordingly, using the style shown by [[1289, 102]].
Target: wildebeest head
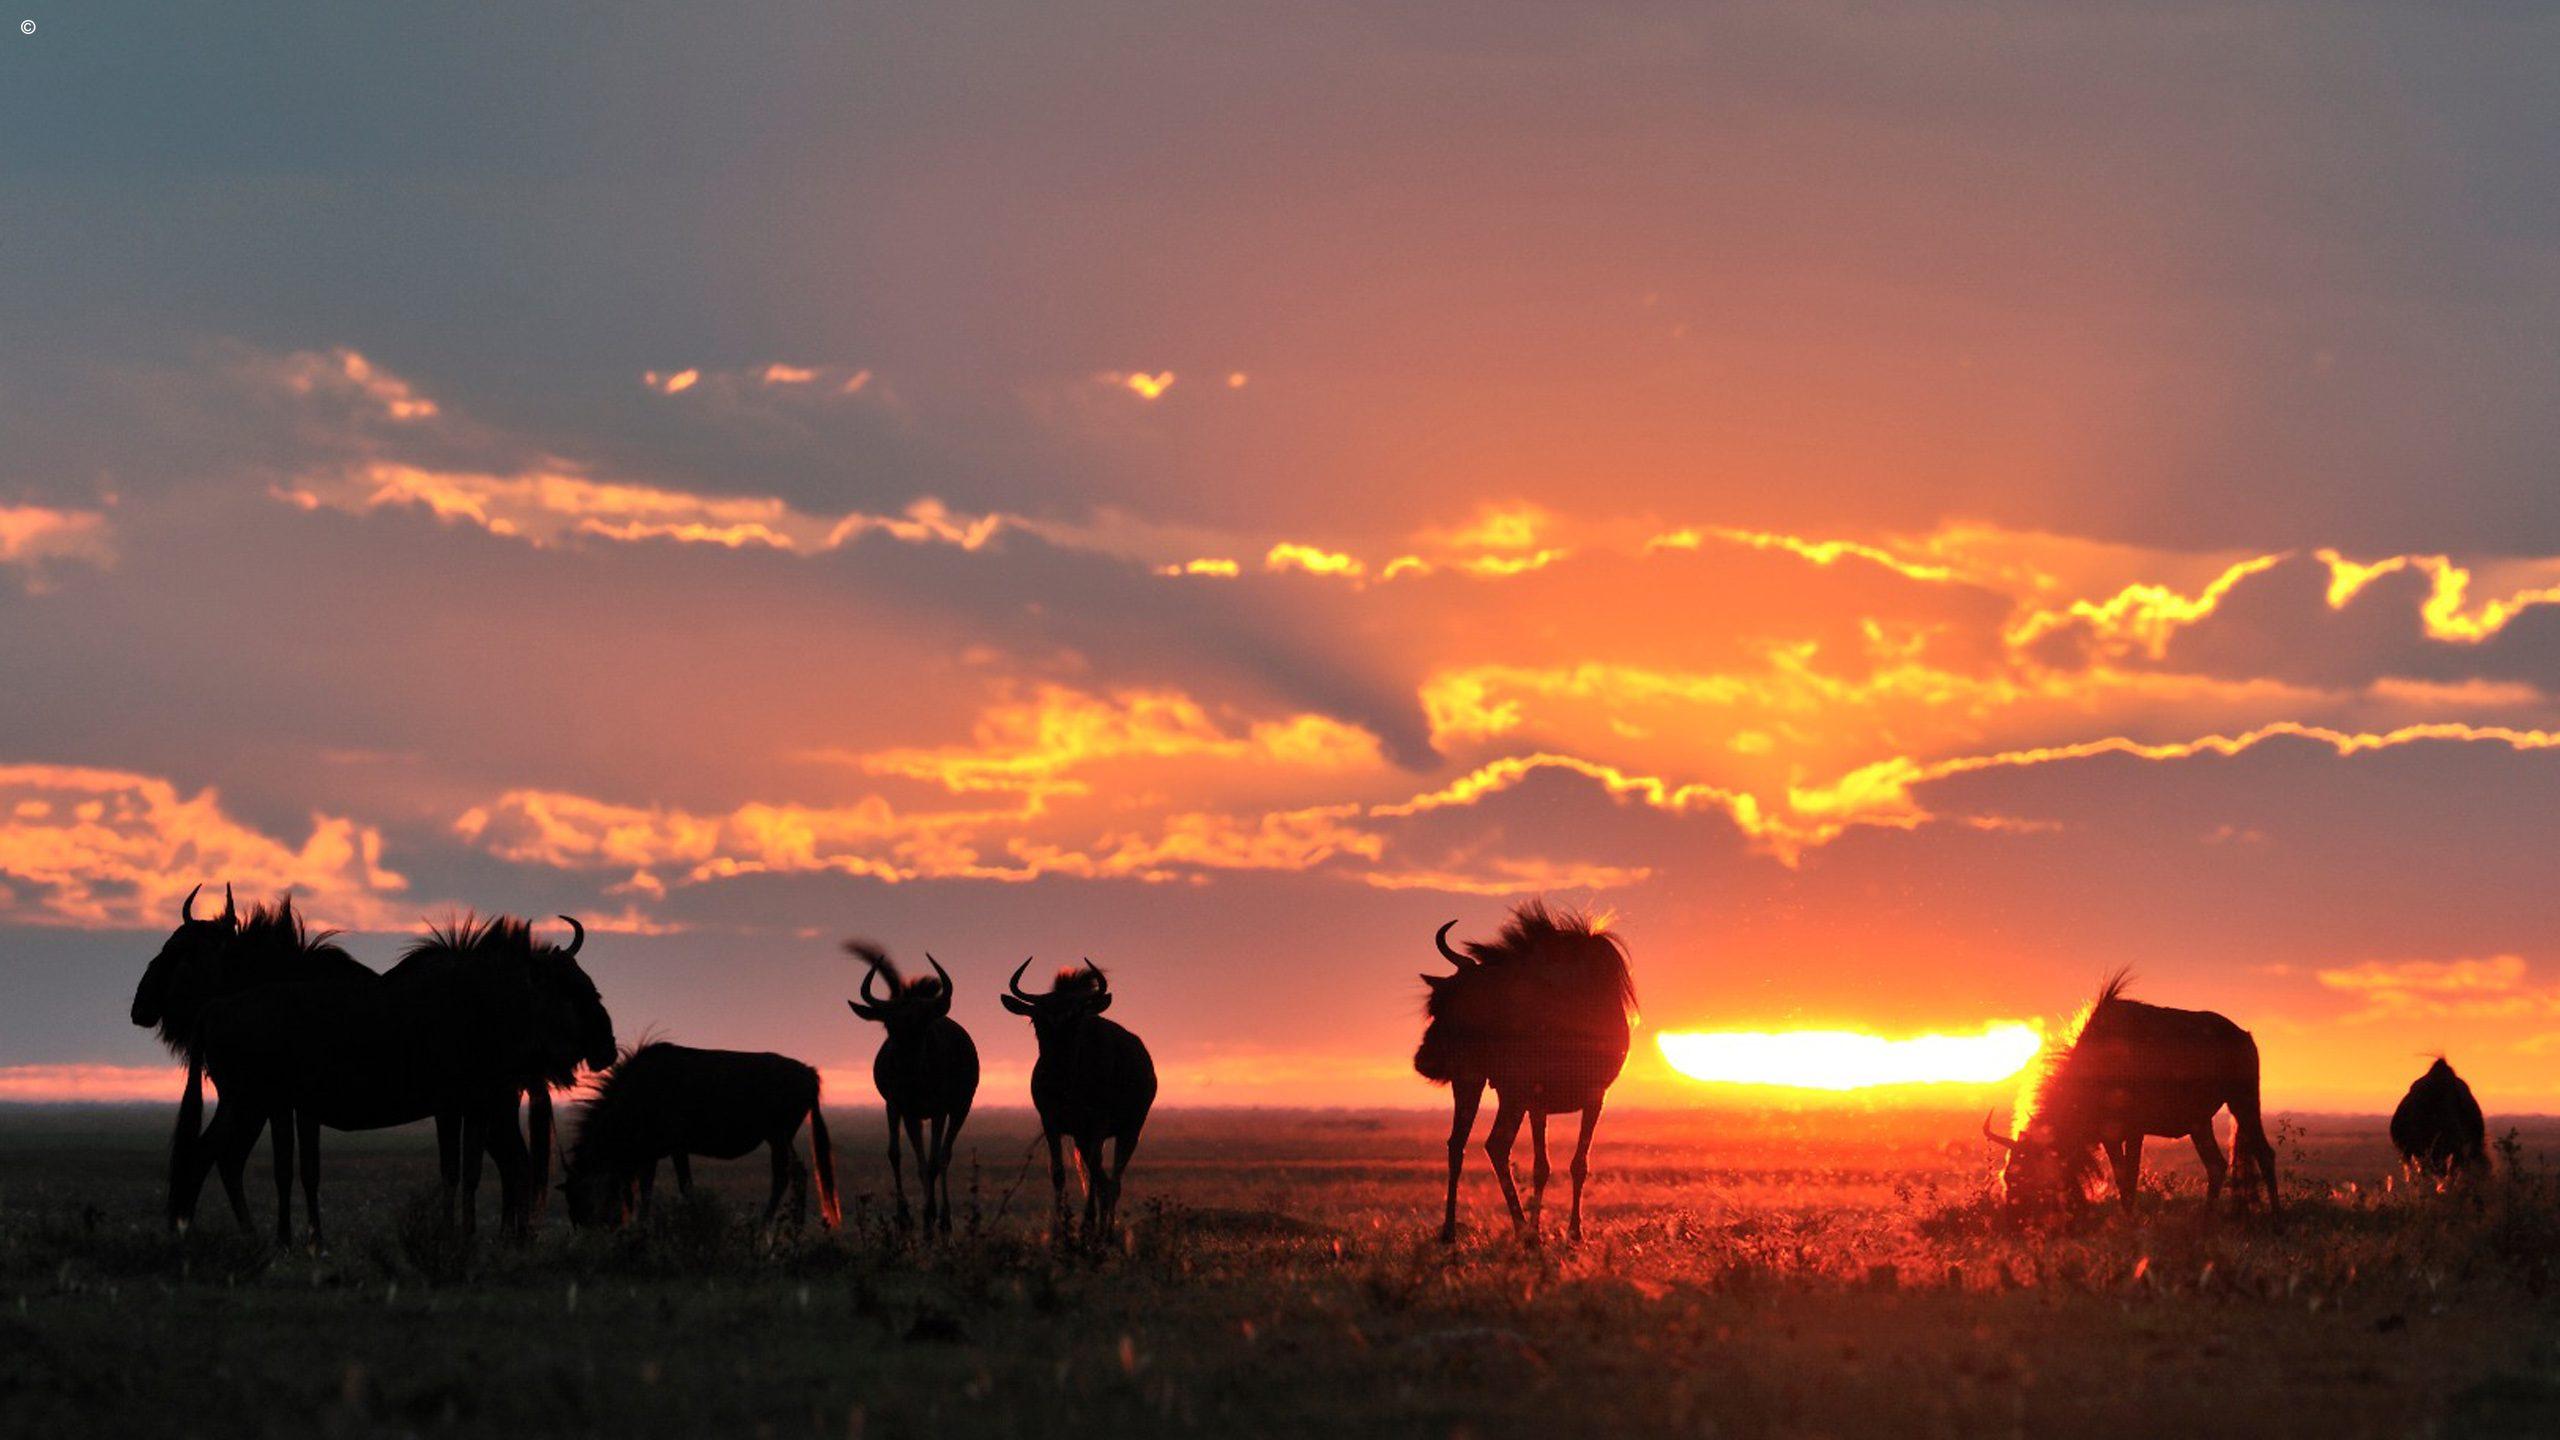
[[1079, 993], [909, 1003], [2045, 1170], [178, 977], [575, 1022], [593, 1193]]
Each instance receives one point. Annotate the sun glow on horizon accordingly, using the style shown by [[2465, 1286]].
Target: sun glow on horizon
[[1840, 1060]]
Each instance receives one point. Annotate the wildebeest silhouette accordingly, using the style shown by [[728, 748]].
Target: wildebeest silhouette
[[1093, 1081], [2438, 1126], [2130, 1070], [926, 1072], [474, 1015], [203, 961], [1542, 1013], [674, 1102]]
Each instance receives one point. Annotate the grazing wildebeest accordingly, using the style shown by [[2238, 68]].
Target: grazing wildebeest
[[2133, 1070], [674, 1102], [926, 1071], [1093, 1081], [203, 961], [2438, 1126], [1542, 1013], [475, 1015]]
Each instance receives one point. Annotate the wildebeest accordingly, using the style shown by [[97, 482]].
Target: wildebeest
[[674, 1102], [2438, 1126], [202, 962], [1093, 1081], [926, 1072], [475, 1015], [1542, 1013], [2133, 1070]]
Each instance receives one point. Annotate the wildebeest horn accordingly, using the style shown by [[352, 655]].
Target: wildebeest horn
[[1994, 1136], [1015, 984], [871, 972], [1103, 981], [938, 970], [229, 910], [1442, 940], [578, 935], [187, 910]]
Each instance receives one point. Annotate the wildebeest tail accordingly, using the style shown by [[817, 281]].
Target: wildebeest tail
[[538, 1125], [822, 1159], [182, 1144]]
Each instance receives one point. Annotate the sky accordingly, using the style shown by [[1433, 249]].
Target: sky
[[1911, 509]]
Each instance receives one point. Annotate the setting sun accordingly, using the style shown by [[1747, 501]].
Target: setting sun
[[1850, 1059]]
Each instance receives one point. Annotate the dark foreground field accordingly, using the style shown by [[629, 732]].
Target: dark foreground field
[[1823, 1274]]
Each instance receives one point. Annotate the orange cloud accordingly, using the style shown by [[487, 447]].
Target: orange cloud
[[2140, 618], [2495, 987], [1139, 382], [112, 849], [1289, 555], [32, 536], [347, 374], [1032, 745], [1222, 568], [552, 507], [2445, 612]]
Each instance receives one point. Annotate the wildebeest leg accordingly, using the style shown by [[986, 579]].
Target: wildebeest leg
[[1582, 1167], [1122, 1147], [229, 1142], [506, 1148], [472, 1140], [1497, 1148], [648, 1186], [1464, 1096], [2128, 1158], [2249, 1146], [924, 1166], [309, 1133], [682, 1164], [898, 1174], [449, 1159], [937, 1190], [281, 1122], [2209, 1151], [1057, 1187], [1097, 1186], [781, 1182], [1538, 1171], [950, 1147]]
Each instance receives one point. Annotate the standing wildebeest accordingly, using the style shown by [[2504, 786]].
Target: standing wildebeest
[[675, 1102], [203, 961], [926, 1071], [473, 1016], [1542, 1013], [2134, 1070], [2438, 1126], [1094, 1080]]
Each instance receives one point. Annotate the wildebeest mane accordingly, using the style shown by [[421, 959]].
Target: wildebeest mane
[[473, 936], [276, 928], [2054, 1066]]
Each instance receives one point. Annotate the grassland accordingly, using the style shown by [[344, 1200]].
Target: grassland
[[1817, 1273]]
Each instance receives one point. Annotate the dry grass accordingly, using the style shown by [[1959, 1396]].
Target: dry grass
[[1821, 1273]]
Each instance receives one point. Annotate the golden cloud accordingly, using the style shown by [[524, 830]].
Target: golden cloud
[[546, 508], [112, 849]]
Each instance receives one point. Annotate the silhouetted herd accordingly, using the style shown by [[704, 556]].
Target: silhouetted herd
[[480, 1017]]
